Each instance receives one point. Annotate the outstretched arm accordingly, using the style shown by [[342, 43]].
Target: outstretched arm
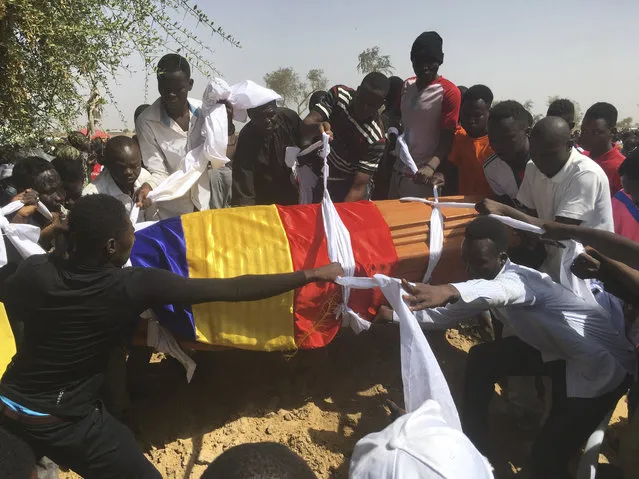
[[156, 286], [610, 244]]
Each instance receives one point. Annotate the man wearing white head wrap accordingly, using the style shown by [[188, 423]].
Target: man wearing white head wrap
[[260, 174], [420, 445]]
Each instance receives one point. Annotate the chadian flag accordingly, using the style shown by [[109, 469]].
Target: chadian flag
[[225, 243]]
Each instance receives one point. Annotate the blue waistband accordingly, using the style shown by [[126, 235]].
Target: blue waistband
[[20, 409]]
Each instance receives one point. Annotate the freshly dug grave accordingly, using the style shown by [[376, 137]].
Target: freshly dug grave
[[318, 403]]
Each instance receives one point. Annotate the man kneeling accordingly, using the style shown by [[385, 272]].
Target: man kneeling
[[557, 334]]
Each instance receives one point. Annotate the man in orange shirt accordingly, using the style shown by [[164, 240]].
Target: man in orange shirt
[[470, 144]]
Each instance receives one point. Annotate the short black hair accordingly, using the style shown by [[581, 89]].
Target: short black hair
[[95, 219], [173, 62], [262, 460], [17, 460], [561, 107], [27, 170], [485, 227], [316, 97], [139, 110], [116, 143], [70, 171], [378, 82], [395, 85], [604, 111], [511, 109], [478, 92], [630, 166]]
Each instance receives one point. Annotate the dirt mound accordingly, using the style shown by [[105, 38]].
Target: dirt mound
[[319, 403]]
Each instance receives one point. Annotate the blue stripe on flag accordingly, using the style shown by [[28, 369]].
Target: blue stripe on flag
[[162, 246]]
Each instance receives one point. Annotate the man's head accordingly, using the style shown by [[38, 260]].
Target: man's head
[[550, 145], [100, 231], [598, 128], [139, 110], [17, 460], [264, 459], [427, 55], [124, 162], [395, 85], [475, 107], [69, 166], [40, 175], [563, 108], [370, 96], [485, 246], [508, 128], [316, 98], [629, 172], [174, 82], [263, 117]]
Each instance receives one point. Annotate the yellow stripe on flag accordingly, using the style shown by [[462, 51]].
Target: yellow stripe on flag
[[231, 242], [7, 343]]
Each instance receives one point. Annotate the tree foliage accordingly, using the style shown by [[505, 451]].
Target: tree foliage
[[625, 124], [294, 90], [371, 60], [54, 52], [530, 105]]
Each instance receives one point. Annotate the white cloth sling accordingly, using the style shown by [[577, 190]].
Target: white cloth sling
[[304, 176], [22, 236]]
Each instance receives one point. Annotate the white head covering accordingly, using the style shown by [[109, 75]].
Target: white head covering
[[418, 445], [248, 94]]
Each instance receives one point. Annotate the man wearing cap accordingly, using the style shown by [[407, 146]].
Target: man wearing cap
[[260, 174], [430, 111]]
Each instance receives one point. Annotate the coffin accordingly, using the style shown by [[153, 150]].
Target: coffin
[[388, 237]]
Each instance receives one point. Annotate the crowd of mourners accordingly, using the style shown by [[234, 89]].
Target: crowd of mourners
[[73, 310]]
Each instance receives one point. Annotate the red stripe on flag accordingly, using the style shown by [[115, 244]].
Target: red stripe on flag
[[315, 323]]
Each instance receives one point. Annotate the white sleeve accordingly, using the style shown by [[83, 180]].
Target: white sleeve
[[526, 194], [152, 155], [477, 296], [579, 197]]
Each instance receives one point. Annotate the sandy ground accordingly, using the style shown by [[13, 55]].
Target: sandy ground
[[319, 403]]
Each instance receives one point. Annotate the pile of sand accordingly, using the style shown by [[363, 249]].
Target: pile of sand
[[318, 403]]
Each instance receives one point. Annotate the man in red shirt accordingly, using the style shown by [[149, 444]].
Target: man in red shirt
[[597, 133], [430, 111]]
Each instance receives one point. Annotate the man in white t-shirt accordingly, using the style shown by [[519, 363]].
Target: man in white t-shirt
[[560, 184]]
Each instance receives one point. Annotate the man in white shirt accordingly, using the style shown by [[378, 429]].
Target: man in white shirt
[[560, 184], [557, 333], [163, 131], [123, 176]]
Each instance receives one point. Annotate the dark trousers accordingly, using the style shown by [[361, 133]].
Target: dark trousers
[[571, 420], [95, 446]]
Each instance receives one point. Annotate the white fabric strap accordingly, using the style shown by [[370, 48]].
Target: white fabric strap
[[422, 377], [304, 176], [22, 236], [340, 249], [404, 152]]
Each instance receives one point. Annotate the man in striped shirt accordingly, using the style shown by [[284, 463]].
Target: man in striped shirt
[[352, 117]]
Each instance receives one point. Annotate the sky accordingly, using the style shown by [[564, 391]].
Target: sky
[[522, 49]]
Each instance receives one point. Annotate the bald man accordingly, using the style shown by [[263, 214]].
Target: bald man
[[560, 184], [123, 175]]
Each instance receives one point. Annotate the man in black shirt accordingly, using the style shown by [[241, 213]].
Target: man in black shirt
[[74, 310], [260, 175]]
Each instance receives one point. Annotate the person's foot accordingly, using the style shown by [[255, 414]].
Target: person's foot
[[384, 315]]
